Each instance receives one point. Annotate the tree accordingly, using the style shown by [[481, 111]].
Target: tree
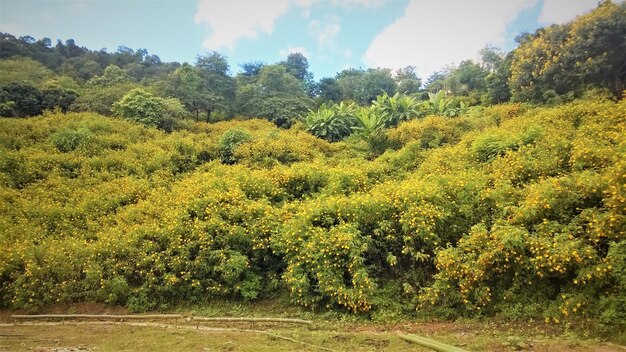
[[274, 94], [69, 49], [597, 46], [297, 65], [437, 80], [186, 84], [6, 106], [468, 79], [490, 58], [564, 60], [282, 109], [141, 106], [216, 86], [407, 80], [364, 86], [23, 99], [213, 62], [329, 90], [58, 98], [497, 82], [18, 70], [101, 92], [112, 75], [97, 98], [251, 68], [275, 79], [376, 82], [349, 83]]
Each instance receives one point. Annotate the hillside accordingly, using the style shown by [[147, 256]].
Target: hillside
[[511, 210]]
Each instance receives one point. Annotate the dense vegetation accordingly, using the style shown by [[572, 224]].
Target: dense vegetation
[[512, 210], [422, 203]]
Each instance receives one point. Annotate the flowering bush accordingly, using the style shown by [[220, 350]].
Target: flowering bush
[[510, 211]]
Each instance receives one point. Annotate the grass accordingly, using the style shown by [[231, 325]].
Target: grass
[[331, 330], [357, 338]]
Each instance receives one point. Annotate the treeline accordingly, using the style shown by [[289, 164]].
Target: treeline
[[555, 64]]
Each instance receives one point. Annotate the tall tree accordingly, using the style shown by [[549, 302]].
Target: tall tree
[[407, 80], [566, 59], [329, 90], [250, 69], [217, 87], [274, 93], [349, 83], [298, 65], [497, 82], [468, 79], [364, 86], [23, 98]]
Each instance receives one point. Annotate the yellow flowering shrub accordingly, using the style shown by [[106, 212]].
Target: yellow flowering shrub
[[511, 210]]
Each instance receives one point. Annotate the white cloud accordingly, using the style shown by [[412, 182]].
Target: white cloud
[[561, 11], [432, 34], [306, 6], [235, 19], [325, 32], [232, 20], [292, 50]]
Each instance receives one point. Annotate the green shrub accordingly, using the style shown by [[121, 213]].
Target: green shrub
[[229, 141], [68, 139]]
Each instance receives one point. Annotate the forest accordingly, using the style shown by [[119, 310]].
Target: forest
[[491, 188]]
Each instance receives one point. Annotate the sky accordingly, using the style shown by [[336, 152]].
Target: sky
[[332, 34]]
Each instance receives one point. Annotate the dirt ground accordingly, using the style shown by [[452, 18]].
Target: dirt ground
[[323, 335]]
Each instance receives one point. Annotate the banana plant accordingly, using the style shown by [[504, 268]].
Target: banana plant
[[371, 128], [370, 122], [439, 104], [331, 123], [397, 108]]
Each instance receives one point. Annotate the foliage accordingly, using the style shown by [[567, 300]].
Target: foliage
[[331, 123], [68, 140], [397, 108], [101, 99], [563, 60], [150, 110], [364, 86], [328, 90], [21, 100], [370, 127], [58, 98], [420, 208], [408, 82], [439, 104], [274, 94], [502, 208], [20, 70], [200, 91], [231, 139]]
